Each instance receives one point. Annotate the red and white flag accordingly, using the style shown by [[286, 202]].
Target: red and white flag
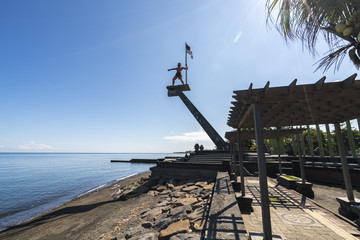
[[188, 51]]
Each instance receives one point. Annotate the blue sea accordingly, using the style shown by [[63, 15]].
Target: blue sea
[[33, 183]]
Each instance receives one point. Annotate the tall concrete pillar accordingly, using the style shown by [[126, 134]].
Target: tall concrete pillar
[[264, 193], [241, 164], [344, 163]]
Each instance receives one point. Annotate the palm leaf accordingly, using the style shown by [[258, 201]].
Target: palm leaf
[[305, 20], [334, 58]]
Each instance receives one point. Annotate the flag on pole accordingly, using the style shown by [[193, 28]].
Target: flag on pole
[[188, 51]]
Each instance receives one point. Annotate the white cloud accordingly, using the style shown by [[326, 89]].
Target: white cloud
[[35, 146], [237, 37], [190, 137], [2, 146]]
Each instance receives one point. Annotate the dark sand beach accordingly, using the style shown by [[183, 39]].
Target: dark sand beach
[[93, 216], [130, 209]]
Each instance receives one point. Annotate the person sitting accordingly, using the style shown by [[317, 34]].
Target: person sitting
[[196, 147], [201, 147], [178, 73]]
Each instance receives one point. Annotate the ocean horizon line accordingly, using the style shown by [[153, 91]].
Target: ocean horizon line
[[94, 152]]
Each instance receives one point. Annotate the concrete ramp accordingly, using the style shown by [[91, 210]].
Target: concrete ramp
[[224, 221]]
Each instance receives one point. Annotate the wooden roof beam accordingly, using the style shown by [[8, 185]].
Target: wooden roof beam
[[347, 83], [250, 90], [319, 83], [245, 116], [266, 88], [291, 87]]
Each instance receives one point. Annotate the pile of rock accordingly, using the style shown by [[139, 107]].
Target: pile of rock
[[133, 190], [179, 214]]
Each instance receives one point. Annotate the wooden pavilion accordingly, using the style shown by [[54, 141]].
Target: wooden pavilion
[[294, 105]]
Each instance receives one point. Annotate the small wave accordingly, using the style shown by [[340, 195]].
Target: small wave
[[106, 185], [117, 180], [91, 190]]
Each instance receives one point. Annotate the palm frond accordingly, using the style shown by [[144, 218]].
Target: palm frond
[[306, 20], [334, 58]]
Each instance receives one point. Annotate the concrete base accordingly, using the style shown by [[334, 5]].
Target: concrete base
[[345, 207], [356, 210], [260, 236], [225, 220], [244, 202], [305, 189], [232, 176], [236, 186], [288, 183]]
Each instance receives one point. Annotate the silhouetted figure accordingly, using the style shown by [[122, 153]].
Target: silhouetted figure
[[201, 148], [196, 147], [178, 73], [186, 158]]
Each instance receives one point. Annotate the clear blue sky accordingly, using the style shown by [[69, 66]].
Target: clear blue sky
[[90, 76]]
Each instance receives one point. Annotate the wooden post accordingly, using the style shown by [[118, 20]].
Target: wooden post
[[301, 161], [231, 156], [318, 133], [329, 140], [311, 146], [264, 193], [302, 144], [351, 138], [279, 157], [234, 159], [344, 163], [293, 144], [282, 146], [241, 164]]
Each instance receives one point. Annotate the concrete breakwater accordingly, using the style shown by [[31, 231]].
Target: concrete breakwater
[[146, 160]]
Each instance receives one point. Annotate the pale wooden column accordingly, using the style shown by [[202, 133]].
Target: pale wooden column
[[344, 163], [264, 193]]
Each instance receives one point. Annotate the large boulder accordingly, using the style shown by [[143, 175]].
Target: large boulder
[[181, 210], [182, 226], [190, 188], [146, 236], [186, 201], [185, 236], [152, 214]]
